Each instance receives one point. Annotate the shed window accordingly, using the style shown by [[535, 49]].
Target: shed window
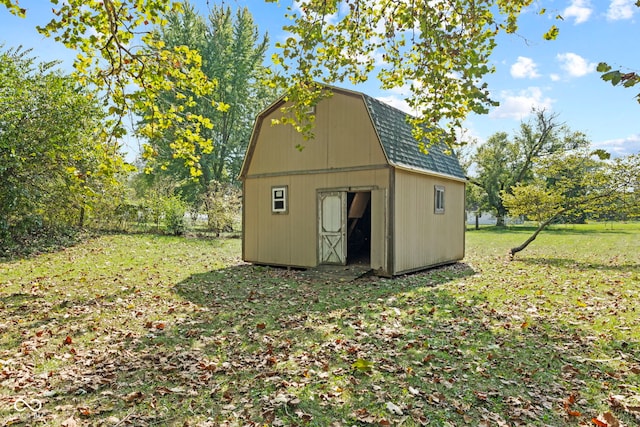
[[439, 199], [279, 199]]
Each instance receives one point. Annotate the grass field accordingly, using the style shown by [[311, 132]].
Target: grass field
[[150, 330]]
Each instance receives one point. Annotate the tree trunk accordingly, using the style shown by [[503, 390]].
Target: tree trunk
[[477, 221], [81, 218], [542, 226], [500, 221]]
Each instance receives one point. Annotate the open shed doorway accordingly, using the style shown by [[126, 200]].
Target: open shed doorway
[[359, 227]]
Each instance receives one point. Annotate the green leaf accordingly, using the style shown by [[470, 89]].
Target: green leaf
[[630, 80], [14, 8], [363, 365], [612, 76], [222, 107], [601, 154], [552, 34], [603, 67]]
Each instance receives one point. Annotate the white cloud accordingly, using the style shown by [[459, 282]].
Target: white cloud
[[378, 58], [621, 9], [621, 146], [469, 136], [580, 10], [575, 65], [524, 68], [518, 105], [554, 77]]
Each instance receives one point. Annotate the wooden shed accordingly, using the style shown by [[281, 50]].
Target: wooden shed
[[360, 191]]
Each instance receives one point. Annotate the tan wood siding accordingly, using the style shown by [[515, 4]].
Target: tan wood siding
[[421, 237], [291, 238], [379, 230], [344, 138]]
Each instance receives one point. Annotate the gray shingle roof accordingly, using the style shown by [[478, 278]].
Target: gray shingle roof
[[402, 148]]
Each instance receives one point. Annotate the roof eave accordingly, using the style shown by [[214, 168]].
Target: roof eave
[[427, 172]]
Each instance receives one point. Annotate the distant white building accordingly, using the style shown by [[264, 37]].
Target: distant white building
[[488, 218]]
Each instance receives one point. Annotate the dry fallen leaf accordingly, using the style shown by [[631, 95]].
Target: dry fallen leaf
[[599, 423], [606, 420], [85, 411], [611, 420], [393, 408], [574, 413], [69, 422], [364, 416], [163, 390], [304, 416], [570, 400], [133, 396], [481, 395]]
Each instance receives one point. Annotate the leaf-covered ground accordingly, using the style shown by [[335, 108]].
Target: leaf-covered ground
[[147, 330]]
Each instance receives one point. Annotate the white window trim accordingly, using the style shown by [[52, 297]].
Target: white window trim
[[279, 194], [438, 208]]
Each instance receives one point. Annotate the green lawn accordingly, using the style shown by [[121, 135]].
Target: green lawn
[[148, 330]]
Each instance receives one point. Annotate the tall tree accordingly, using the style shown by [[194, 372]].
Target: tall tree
[[495, 161], [502, 163], [55, 159], [476, 202], [232, 53], [575, 182], [235, 56]]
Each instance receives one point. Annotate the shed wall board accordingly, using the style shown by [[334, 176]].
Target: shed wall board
[[423, 238], [379, 231]]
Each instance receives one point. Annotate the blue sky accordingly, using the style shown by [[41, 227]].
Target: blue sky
[[558, 75]]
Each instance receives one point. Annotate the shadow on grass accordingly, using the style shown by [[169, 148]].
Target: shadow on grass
[[249, 299], [287, 350], [569, 263], [277, 292], [254, 345], [18, 299], [556, 229]]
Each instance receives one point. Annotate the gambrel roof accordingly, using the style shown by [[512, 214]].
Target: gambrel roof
[[395, 134], [401, 148]]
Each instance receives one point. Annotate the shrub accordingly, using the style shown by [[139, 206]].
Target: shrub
[[222, 203], [174, 210]]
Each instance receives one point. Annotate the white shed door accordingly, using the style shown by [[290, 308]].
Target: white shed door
[[332, 227]]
